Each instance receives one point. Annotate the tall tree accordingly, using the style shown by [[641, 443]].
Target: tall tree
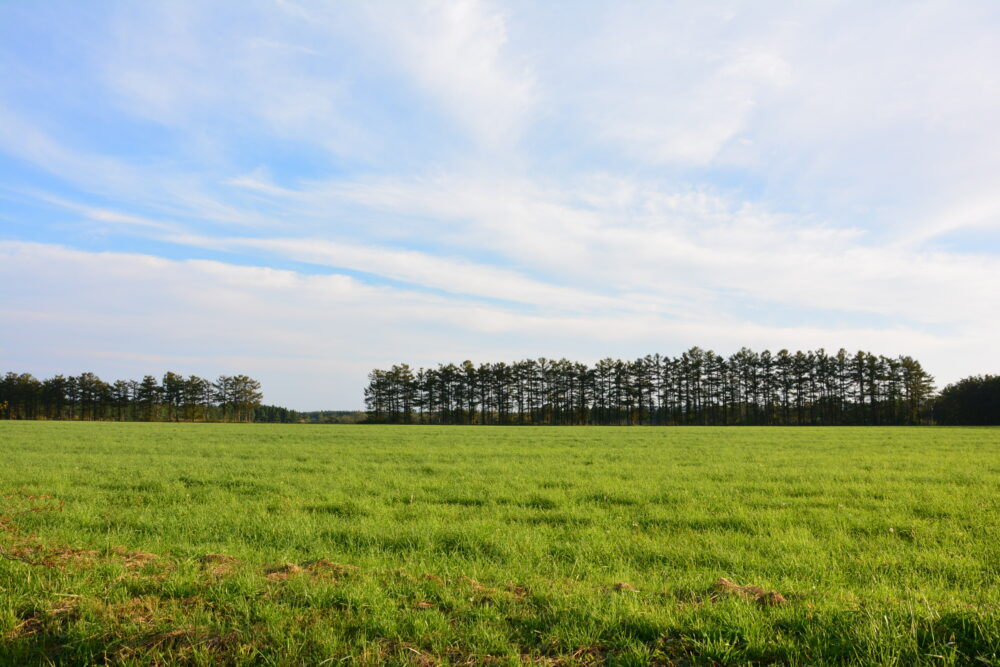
[[698, 387]]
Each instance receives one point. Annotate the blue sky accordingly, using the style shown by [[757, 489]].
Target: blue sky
[[303, 191]]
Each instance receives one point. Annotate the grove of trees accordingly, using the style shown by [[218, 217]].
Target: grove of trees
[[698, 387], [973, 401], [87, 397]]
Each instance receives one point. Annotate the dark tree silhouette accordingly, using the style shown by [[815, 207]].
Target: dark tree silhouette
[[698, 387], [87, 397], [974, 401]]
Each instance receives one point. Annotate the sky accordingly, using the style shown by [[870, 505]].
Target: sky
[[303, 191]]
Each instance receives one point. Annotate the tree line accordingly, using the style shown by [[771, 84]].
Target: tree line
[[697, 387], [973, 401], [230, 398]]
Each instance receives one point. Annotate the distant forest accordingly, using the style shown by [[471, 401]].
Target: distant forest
[[698, 387], [86, 397]]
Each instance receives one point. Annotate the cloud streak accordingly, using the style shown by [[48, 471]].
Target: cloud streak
[[323, 332]]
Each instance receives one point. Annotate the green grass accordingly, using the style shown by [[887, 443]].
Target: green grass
[[425, 545]]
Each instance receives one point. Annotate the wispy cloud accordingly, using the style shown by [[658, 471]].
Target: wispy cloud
[[417, 268], [296, 330], [361, 183], [459, 52]]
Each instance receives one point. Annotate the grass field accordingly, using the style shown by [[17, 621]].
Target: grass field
[[271, 544]]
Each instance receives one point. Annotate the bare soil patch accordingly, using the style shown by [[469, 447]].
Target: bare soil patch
[[764, 598], [218, 565], [282, 572]]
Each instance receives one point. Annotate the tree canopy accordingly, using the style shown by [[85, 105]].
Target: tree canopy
[[698, 387], [86, 397], [973, 401]]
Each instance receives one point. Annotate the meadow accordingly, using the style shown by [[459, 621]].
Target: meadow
[[293, 544]]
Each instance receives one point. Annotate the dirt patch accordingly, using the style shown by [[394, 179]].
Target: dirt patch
[[22, 548], [184, 635], [137, 611], [28, 626], [479, 587], [282, 572], [520, 592], [14, 504], [624, 587], [180, 641], [476, 586], [29, 549], [589, 655], [22, 551], [216, 559], [218, 565], [320, 569], [66, 555], [482, 594], [39, 621], [771, 599], [401, 575], [328, 569], [134, 559], [30, 552], [516, 590], [764, 598]]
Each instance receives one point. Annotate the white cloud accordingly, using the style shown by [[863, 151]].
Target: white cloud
[[212, 73], [129, 313], [294, 72], [458, 52], [418, 268], [612, 237], [979, 213], [26, 141]]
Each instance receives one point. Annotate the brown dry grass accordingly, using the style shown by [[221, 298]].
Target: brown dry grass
[[520, 592], [137, 611], [282, 572], [28, 549], [764, 598], [134, 559], [320, 569], [218, 565], [39, 621], [181, 642], [328, 569], [411, 654]]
